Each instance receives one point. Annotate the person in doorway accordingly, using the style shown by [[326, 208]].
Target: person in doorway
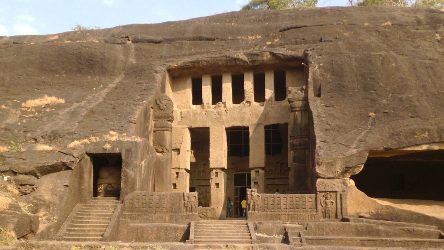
[[244, 207], [229, 208]]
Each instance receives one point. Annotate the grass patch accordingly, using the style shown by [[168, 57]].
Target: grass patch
[[7, 238]]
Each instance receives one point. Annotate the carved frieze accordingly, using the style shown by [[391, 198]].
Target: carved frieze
[[281, 203]]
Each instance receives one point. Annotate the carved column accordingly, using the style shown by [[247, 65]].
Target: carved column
[[218, 167], [257, 157], [298, 141], [163, 118]]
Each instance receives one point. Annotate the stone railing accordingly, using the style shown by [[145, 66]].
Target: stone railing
[[284, 207], [145, 207]]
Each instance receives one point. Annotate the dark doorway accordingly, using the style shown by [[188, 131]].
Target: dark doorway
[[196, 90], [242, 181], [237, 88], [259, 87], [107, 172], [280, 85], [200, 165], [403, 174], [216, 89]]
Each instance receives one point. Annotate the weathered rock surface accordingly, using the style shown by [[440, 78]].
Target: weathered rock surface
[[376, 80]]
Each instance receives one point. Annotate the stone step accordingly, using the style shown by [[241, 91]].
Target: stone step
[[374, 242], [240, 233], [96, 211], [221, 237], [222, 233], [95, 206], [76, 238], [222, 246], [221, 222], [92, 221], [219, 230], [217, 241], [222, 226], [92, 216], [85, 230], [95, 214], [87, 234], [97, 225]]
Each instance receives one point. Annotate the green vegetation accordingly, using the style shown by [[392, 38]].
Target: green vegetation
[[6, 237], [289, 4], [279, 4], [436, 4], [15, 146]]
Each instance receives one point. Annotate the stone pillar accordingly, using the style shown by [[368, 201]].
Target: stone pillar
[[218, 166], [181, 149], [269, 85], [248, 87], [298, 157], [206, 90], [257, 157], [227, 97], [163, 118]]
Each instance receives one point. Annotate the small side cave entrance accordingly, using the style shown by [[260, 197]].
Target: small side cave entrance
[[403, 174], [107, 174]]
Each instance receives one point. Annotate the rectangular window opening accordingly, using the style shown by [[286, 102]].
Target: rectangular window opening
[[273, 138], [237, 88], [216, 89], [259, 87], [238, 141], [196, 90], [280, 85]]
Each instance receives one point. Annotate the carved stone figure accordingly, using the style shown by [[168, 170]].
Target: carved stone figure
[[163, 108], [190, 202], [297, 98], [328, 206]]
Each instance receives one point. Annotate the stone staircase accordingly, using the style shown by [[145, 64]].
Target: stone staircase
[[356, 232], [89, 221], [221, 233]]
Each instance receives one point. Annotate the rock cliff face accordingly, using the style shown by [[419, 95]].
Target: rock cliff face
[[375, 81]]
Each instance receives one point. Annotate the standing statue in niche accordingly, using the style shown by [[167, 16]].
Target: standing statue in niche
[[328, 206], [253, 199], [190, 202]]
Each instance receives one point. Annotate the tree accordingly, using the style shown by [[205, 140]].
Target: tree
[[279, 4], [394, 3], [436, 4]]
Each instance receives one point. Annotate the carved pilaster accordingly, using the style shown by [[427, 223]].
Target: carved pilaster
[[299, 139], [163, 118]]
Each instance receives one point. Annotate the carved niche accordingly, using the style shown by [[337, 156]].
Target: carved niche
[[328, 204]]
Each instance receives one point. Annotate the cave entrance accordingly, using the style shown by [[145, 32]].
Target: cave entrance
[[200, 165], [107, 172], [403, 174], [238, 171]]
